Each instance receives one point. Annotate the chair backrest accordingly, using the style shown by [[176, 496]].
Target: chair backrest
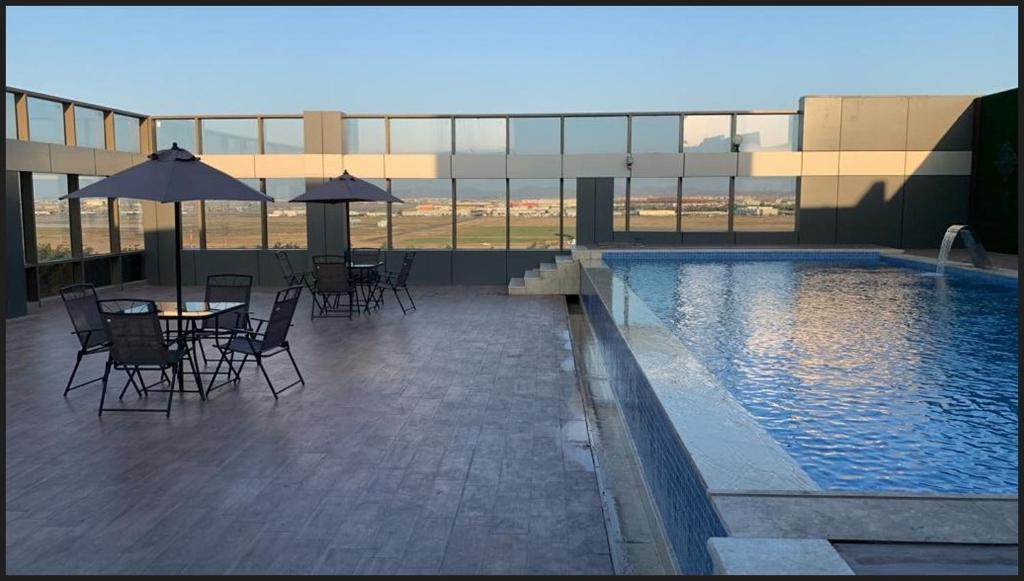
[[280, 319], [332, 275], [227, 288], [80, 301], [133, 327], [365, 255], [403, 272], [285, 263]]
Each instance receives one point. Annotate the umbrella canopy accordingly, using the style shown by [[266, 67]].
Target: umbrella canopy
[[345, 188], [171, 175]]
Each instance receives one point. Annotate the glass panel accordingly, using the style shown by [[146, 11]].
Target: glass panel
[[569, 212], [130, 225], [768, 132], [89, 128], [126, 133], [595, 135], [283, 136], [45, 121], [655, 134], [705, 204], [480, 209], [765, 204], [480, 135], [421, 136], [229, 136], [652, 204], [535, 135], [369, 221], [286, 222], [425, 219], [12, 118], [364, 136], [95, 221], [53, 225], [180, 131], [231, 224], [619, 205], [190, 224], [533, 213], [707, 134]]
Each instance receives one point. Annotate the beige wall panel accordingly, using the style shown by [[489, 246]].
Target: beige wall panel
[[27, 156], [282, 166], [534, 166], [874, 124], [710, 164], [820, 163], [872, 163], [478, 166], [821, 122], [239, 166], [594, 165], [77, 160], [365, 166], [417, 166], [770, 163], [939, 163], [657, 165], [312, 165], [332, 165], [940, 122], [111, 162], [331, 131]]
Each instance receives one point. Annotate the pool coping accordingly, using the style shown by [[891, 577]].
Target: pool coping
[[765, 494]]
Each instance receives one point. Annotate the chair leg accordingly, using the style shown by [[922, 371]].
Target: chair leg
[[179, 372], [410, 298], [288, 350], [259, 363], [399, 299], [78, 361], [195, 373], [103, 394]]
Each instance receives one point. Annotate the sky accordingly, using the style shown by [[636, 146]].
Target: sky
[[203, 60]]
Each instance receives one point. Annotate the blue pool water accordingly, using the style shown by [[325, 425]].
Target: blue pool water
[[872, 376]]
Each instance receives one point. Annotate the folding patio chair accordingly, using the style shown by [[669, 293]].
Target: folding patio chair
[[262, 342], [333, 282], [137, 344], [81, 303], [398, 281], [225, 288]]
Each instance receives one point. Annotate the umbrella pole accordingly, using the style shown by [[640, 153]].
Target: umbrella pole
[[177, 280], [348, 231]]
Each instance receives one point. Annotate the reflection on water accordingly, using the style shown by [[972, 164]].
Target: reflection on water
[[872, 377]]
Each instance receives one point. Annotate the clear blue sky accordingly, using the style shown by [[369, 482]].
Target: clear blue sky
[[466, 60]]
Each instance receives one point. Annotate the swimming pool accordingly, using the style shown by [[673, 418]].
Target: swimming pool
[[873, 376]]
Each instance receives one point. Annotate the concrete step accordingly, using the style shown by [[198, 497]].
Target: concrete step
[[517, 286], [532, 273], [548, 266], [563, 259]]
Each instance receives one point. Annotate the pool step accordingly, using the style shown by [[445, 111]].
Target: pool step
[[561, 277]]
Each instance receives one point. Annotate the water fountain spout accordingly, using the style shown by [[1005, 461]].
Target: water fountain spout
[[974, 248]]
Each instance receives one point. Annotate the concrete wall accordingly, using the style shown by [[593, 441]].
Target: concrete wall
[[892, 171], [995, 198]]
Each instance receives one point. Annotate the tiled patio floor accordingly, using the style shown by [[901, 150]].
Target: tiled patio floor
[[451, 440]]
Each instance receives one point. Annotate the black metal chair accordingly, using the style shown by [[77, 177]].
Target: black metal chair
[[294, 277], [81, 303], [137, 344], [366, 280], [225, 288], [398, 281], [262, 342], [333, 281]]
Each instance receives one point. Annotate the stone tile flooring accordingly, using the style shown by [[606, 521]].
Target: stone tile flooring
[[451, 440]]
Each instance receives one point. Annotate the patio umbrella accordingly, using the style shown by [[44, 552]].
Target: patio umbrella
[[346, 188], [172, 175]]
